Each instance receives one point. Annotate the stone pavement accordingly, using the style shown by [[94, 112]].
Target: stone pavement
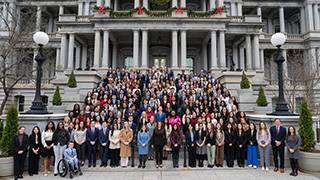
[[177, 174]]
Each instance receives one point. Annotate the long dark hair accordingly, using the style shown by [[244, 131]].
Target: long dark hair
[[294, 131], [47, 126], [33, 135]]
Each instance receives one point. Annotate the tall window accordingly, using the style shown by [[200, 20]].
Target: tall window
[[128, 62], [190, 62]]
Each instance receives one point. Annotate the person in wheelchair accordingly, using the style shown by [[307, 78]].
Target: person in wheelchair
[[70, 156]]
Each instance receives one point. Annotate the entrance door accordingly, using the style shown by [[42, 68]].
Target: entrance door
[[159, 62]]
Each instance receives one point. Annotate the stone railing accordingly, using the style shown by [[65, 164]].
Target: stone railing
[[33, 81], [67, 18], [252, 18], [236, 19], [289, 36], [83, 18]]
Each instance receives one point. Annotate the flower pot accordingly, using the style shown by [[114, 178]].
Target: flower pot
[[309, 161], [6, 166]]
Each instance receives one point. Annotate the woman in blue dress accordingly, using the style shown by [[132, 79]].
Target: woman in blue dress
[[143, 146]]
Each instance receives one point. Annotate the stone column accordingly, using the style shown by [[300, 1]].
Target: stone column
[[270, 27], [233, 9], [38, 19], [61, 11], [71, 52], [97, 47], [183, 41], [204, 5], [50, 25], [136, 48], [316, 17], [136, 3], [214, 59], [63, 52], [248, 53], [259, 12], [235, 56], [310, 17], [256, 53], [114, 55], [80, 8], [302, 20], [285, 65], [239, 8], [84, 57], [78, 57], [86, 8], [183, 3], [58, 57], [174, 48], [105, 51], [205, 56], [174, 3], [222, 49], [145, 4], [282, 21], [212, 4], [241, 55], [144, 55], [262, 59]]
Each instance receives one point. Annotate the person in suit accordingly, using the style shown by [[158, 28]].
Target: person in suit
[[70, 155], [191, 145], [92, 137], [252, 150], [143, 146], [278, 137], [158, 141], [241, 142], [35, 147], [20, 147], [176, 137], [104, 141], [230, 143], [293, 143], [160, 115]]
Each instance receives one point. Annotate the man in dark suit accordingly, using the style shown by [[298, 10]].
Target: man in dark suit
[[160, 115], [92, 136], [20, 147], [278, 136], [104, 142]]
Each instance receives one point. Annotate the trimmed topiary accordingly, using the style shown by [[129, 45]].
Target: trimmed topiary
[[305, 128], [9, 131], [244, 83], [262, 99], [72, 82], [56, 100]]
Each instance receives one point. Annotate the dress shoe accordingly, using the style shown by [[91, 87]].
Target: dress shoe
[[275, 169]]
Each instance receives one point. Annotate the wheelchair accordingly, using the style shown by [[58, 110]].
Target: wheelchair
[[64, 168]]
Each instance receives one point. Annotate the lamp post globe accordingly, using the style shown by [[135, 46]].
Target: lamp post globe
[[38, 107], [278, 40]]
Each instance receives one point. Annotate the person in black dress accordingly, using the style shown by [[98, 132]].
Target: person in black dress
[[241, 143], [35, 147], [191, 144], [230, 143], [20, 148], [158, 141]]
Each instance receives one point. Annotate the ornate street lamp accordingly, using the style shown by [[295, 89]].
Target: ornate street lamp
[[277, 40], [38, 107]]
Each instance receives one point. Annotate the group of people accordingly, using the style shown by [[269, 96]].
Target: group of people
[[159, 114]]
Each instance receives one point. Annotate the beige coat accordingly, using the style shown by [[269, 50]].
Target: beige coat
[[125, 137]]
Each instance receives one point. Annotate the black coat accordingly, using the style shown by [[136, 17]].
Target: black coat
[[241, 139], [20, 147], [32, 142], [252, 137], [159, 137], [61, 136], [229, 137], [278, 137], [211, 140]]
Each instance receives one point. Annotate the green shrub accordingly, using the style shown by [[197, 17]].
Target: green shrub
[[10, 130], [72, 82], [305, 128], [1, 128], [262, 99], [56, 100], [244, 83]]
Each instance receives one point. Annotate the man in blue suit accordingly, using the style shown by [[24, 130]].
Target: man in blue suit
[[92, 136], [104, 141], [278, 136], [160, 115], [70, 155]]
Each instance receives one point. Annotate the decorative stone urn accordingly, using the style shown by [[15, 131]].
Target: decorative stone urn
[[6, 166], [309, 161]]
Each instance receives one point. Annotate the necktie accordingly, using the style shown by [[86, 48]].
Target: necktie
[[278, 129]]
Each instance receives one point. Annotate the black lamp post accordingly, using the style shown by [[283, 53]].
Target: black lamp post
[[282, 109], [38, 107]]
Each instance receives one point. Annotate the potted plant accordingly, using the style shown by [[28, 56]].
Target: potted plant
[[72, 82], [262, 103], [57, 102], [309, 157], [6, 147], [246, 98]]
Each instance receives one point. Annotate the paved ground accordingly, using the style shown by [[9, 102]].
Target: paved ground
[[178, 174]]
